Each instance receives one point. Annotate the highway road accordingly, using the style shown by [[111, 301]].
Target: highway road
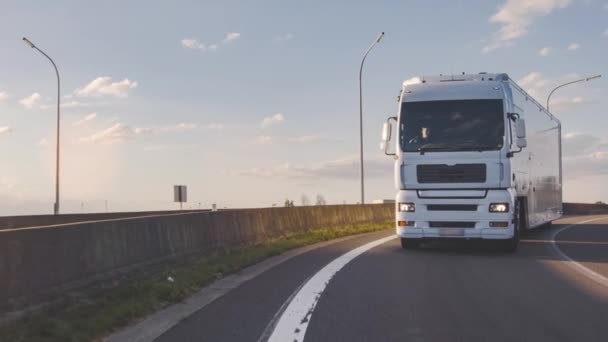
[[369, 289]]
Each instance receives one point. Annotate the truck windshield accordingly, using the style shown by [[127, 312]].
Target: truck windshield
[[460, 125]]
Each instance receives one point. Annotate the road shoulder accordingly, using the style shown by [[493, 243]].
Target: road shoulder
[[162, 321]]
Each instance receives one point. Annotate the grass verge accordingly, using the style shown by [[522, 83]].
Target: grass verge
[[91, 318]]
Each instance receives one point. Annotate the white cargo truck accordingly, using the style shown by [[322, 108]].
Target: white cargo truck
[[476, 157]]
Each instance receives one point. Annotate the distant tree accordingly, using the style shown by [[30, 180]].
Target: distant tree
[[320, 200], [600, 202], [304, 200], [286, 203], [291, 204]]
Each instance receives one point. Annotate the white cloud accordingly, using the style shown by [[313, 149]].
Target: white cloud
[[88, 117], [180, 127], [544, 51], [42, 142], [116, 133], [159, 148], [195, 44], [529, 79], [104, 86], [561, 103], [539, 87], [5, 129], [143, 130], [573, 47], [7, 184], [73, 104], [304, 139], [119, 132], [347, 167], [263, 140], [272, 120], [30, 101], [3, 96], [578, 143], [516, 17], [584, 155], [214, 126], [231, 37], [533, 83], [577, 99], [185, 126], [284, 37], [192, 43], [69, 104]]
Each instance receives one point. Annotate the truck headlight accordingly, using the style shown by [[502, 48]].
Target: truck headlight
[[408, 207], [499, 207]]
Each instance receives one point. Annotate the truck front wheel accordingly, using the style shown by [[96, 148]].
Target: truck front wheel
[[410, 243]]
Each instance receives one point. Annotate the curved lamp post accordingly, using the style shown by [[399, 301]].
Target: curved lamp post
[[560, 126], [568, 83], [376, 41], [56, 206]]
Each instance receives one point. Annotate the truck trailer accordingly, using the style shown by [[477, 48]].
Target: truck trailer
[[476, 157]]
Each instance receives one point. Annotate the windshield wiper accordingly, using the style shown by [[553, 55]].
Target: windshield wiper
[[454, 147], [474, 147], [435, 147]]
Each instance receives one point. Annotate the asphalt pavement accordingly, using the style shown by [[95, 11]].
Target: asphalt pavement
[[449, 291]]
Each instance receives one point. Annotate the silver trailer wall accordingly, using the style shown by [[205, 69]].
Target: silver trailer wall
[[537, 169]]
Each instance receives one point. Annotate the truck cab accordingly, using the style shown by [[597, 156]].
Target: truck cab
[[465, 167]]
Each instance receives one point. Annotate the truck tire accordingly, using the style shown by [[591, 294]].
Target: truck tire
[[410, 243], [510, 245]]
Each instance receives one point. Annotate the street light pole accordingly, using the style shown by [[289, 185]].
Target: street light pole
[[568, 83], [361, 112], [56, 206]]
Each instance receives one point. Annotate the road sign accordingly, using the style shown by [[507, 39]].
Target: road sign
[[180, 194]]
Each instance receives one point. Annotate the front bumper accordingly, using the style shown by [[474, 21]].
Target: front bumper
[[479, 219]]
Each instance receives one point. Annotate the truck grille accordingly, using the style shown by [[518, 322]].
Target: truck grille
[[450, 224], [459, 173], [451, 207]]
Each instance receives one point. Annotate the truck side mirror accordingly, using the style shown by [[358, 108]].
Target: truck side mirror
[[521, 142], [387, 130], [520, 128]]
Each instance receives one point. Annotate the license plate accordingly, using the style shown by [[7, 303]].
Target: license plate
[[451, 231]]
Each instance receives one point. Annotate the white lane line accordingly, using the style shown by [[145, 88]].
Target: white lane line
[[273, 322], [161, 321], [600, 279], [294, 321]]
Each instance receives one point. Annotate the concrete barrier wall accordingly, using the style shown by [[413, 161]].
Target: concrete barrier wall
[[36, 263], [585, 209], [10, 222]]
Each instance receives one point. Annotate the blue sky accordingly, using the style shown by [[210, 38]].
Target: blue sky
[[249, 103]]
